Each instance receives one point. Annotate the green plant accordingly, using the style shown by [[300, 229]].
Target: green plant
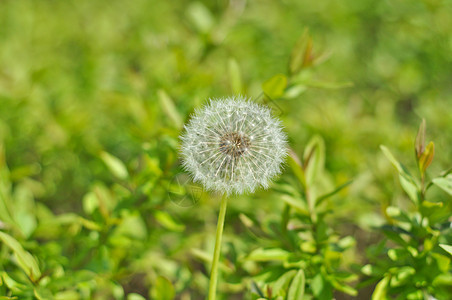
[[94, 203], [301, 257], [413, 261]]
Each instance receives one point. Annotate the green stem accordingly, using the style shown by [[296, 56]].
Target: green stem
[[216, 252]]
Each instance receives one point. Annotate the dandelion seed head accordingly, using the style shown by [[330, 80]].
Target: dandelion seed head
[[233, 145]]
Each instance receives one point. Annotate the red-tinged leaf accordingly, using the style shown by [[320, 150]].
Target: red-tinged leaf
[[420, 140], [426, 157]]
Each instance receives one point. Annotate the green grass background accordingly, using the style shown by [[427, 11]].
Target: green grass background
[[93, 95]]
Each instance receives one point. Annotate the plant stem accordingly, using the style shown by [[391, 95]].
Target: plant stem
[[216, 252]]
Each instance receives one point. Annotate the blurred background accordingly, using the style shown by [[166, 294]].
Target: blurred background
[[94, 94]]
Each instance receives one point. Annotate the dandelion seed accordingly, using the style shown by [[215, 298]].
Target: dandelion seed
[[233, 145]]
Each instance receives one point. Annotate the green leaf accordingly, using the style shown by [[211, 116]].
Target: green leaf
[[246, 220], [67, 295], [275, 86], [167, 221], [256, 289], [409, 187], [371, 270], [6, 203], [346, 242], [314, 159], [392, 159], [332, 193], [398, 254], [90, 203], [24, 209], [235, 76], [393, 211], [444, 183], [381, 289], [394, 234], [321, 288], [254, 228], [295, 91], [397, 214], [27, 223], [261, 254], [115, 165], [162, 289], [414, 295], [406, 179], [279, 287], [25, 260], [200, 16], [308, 247], [296, 289], [132, 226], [447, 248], [207, 257], [344, 288], [428, 204], [297, 55], [11, 283], [100, 198], [442, 261], [298, 204], [443, 279], [134, 296], [402, 275], [42, 293], [295, 165], [72, 219], [169, 108]]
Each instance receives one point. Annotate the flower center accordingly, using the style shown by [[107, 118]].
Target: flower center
[[234, 144]]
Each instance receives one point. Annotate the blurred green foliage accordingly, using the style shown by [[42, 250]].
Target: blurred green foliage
[[93, 96]]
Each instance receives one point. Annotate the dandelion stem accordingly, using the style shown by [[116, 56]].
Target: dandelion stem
[[216, 252]]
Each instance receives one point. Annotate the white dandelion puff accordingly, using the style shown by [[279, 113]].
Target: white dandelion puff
[[233, 145]]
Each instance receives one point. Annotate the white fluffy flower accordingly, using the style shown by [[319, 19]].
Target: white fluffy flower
[[233, 145]]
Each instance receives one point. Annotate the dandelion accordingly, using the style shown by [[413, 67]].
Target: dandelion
[[233, 145]]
